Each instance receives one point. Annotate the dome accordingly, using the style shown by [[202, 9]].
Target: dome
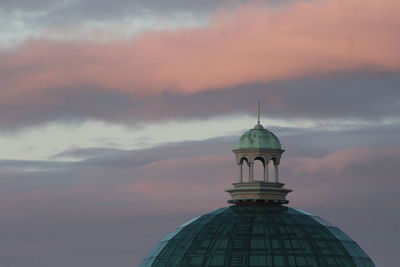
[[257, 230], [257, 235], [258, 138]]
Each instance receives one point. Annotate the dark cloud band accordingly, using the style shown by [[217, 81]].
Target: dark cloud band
[[362, 95]]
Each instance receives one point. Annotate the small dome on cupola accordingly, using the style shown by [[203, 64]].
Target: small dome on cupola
[[258, 138]]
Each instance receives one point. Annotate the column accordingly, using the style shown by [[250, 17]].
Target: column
[[241, 172], [251, 171], [266, 172], [276, 173]]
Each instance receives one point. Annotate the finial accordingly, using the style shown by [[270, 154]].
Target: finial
[[258, 125]]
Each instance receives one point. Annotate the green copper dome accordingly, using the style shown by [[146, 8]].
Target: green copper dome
[[258, 138], [255, 236]]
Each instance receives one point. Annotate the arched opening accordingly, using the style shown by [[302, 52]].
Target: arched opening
[[258, 169], [244, 170]]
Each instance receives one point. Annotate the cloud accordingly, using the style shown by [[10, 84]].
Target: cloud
[[120, 202], [26, 4], [79, 9], [342, 159], [351, 96], [300, 51], [249, 44], [100, 206], [75, 12]]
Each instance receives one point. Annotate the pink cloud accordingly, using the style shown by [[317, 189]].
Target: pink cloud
[[252, 43], [174, 178], [339, 160]]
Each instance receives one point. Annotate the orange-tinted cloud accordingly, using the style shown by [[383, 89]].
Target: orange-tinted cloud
[[338, 161], [193, 178], [252, 43]]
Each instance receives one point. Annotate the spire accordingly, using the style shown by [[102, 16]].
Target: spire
[[258, 125]]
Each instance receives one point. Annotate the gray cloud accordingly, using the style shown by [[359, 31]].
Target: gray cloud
[[358, 95], [102, 10], [51, 13], [66, 11], [28, 164], [76, 19], [112, 206], [100, 7], [27, 4], [363, 95]]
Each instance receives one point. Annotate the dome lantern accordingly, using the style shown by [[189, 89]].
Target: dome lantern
[[258, 144]]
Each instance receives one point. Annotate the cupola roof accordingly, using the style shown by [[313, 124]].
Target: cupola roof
[[258, 138]]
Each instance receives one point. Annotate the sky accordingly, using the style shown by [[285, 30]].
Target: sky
[[118, 119]]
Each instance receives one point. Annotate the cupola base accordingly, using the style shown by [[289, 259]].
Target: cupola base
[[258, 191]]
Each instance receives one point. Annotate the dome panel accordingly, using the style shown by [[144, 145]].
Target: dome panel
[[257, 235]]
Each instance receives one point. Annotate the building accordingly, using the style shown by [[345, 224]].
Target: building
[[257, 229]]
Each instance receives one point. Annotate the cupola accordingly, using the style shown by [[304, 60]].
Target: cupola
[[262, 145]]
